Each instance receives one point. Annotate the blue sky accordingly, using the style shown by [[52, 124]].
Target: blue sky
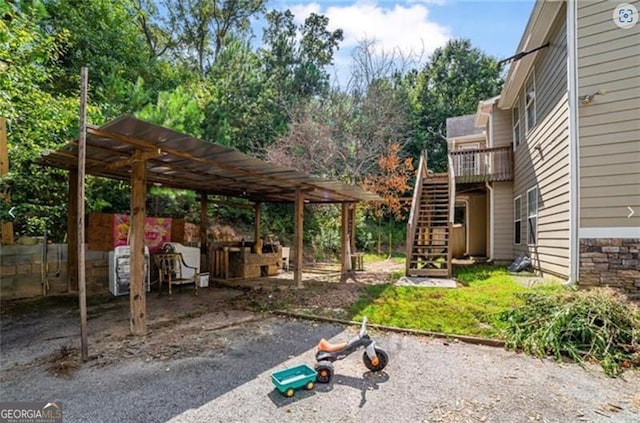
[[494, 26]]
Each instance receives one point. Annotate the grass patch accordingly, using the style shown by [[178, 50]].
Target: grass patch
[[473, 309], [395, 257]]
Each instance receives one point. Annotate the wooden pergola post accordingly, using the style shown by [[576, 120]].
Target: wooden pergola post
[[72, 232], [352, 229], [344, 237], [204, 223], [256, 227], [7, 227], [299, 225], [82, 158], [137, 296]]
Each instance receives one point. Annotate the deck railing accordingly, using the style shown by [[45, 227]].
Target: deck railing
[[483, 165]]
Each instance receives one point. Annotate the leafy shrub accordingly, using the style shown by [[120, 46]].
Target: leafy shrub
[[596, 325]]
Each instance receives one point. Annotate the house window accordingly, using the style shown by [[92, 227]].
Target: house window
[[532, 216], [530, 101], [517, 220], [516, 123]]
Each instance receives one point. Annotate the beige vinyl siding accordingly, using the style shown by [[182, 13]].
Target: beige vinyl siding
[[542, 159], [502, 127], [608, 127], [503, 222]]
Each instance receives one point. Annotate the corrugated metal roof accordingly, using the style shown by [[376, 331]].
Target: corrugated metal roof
[[181, 161]]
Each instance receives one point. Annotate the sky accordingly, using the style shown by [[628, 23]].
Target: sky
[[493, 26]]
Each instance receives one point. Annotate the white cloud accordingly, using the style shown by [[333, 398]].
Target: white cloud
[[403, 26]]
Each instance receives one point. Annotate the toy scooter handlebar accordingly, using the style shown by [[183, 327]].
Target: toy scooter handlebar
[[363, 328]]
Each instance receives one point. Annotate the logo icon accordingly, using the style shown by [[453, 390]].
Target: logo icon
[[625, 16]]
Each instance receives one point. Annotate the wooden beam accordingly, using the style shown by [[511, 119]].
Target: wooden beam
[[82, 153], [137, 299], [7, 227], [247, 206], [256, 223], [72, 233], [344, 249], [299, 228], [127, 161], [204, 224]]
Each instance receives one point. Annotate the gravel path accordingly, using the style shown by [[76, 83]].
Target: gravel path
[[426, 380]]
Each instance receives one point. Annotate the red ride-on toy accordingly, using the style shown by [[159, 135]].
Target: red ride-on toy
[[374, 358]]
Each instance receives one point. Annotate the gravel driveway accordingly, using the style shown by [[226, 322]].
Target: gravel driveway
[[426, 380]]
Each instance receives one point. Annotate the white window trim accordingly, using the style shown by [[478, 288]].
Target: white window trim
[[533, 215], [533, 102], [517, 219], [516, 123]]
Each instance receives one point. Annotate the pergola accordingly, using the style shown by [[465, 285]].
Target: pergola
[[146, 154]]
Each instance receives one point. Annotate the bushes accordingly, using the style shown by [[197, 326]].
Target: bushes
[[597, 325]]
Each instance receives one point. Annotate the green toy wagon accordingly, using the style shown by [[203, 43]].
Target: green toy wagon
[[288, 380]]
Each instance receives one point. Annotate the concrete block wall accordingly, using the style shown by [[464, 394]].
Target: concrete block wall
[[21, 270], [610, 262]]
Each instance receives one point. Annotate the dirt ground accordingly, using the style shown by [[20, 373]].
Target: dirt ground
[[175, 326]]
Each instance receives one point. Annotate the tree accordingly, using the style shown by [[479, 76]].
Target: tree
[[103, 36], [451, 84], [295, 58], [344, 134], [37, 118], [202, 28], [390, 183]]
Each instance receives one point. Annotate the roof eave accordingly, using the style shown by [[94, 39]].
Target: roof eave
[[538, 27]]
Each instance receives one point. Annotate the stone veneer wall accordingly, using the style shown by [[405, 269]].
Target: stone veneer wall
[[610, 262], [21, 267]]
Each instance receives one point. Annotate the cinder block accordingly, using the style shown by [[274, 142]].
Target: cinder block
[[7, 270]]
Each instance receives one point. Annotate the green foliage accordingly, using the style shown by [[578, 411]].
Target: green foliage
[[473, 309], [178, 109], [451, 84], [596, 325]]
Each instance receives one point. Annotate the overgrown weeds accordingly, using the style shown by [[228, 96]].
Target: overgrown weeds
[[597, 325]]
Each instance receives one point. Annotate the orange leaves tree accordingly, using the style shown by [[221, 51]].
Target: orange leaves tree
[[390, 183]]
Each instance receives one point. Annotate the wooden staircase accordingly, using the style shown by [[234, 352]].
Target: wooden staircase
[[428, 249]]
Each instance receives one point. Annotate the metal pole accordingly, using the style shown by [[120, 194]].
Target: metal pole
[[82, 285]]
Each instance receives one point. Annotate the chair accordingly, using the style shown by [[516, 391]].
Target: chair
[[170, 266]]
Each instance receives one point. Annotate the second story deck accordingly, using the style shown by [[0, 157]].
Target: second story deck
[[483, 165]]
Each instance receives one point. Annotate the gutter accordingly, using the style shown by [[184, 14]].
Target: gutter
[[574, 149]]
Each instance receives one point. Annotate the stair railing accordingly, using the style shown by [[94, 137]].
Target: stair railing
[[415, 206], [452, 205]]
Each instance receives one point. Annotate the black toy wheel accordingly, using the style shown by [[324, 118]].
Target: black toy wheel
[[383, 360], [325, 371]]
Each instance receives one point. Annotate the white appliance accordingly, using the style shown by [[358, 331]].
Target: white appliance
[[191, 256], [120, 270]]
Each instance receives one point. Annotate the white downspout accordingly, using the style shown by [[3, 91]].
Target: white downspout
[[490, 188], [574, 186], [491, 221]]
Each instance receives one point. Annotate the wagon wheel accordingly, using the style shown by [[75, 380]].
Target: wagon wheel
[[289, 392], [309, 386]]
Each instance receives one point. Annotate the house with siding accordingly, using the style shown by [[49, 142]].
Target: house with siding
[[551, 167]]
